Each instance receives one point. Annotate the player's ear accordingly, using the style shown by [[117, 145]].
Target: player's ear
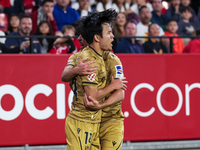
[[96, 38]]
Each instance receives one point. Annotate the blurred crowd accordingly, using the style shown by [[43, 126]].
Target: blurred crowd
[[150, 21]]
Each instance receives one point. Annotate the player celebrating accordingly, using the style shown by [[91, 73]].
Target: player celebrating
[[82, 125]]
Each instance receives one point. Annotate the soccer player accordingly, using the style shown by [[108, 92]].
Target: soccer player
[[112, 118], [82, 125]]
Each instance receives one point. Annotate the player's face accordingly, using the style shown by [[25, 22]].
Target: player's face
[[107, 38], [82, 42], [154, 30], [25, 26], [172, 27], [130, 29]]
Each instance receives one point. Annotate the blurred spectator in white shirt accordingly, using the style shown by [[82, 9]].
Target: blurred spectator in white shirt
[[142, 27], [135, 7]]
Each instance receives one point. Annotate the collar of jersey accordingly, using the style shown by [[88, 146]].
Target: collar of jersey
[[95, 51]]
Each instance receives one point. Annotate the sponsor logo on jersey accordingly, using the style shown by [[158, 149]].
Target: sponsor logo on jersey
[[119, 71], [69, 61], [114, 143], [91, 77], [78, 130], [78, 59]]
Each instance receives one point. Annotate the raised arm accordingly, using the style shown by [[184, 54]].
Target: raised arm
[[81, 69]]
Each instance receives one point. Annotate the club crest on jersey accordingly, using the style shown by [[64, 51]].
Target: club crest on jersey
[[91, 77], [119, 71], [69, 61]]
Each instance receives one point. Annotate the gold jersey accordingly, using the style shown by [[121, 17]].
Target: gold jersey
[[98, 79], [114, 68], [72, 59]]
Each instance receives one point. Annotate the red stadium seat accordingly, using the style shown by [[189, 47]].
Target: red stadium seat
[[3, 21]]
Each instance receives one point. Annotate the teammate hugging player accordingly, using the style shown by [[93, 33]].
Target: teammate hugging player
[[82, 124]]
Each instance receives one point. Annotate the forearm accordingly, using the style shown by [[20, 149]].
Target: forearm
[[104, 92], [68, 74], [116, 97]]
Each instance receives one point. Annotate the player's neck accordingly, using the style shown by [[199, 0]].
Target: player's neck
[[96, 48]]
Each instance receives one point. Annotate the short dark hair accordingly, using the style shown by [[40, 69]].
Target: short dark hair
[[171, 20], [44, 1], [92, 24], [142, 7], [131, 21], [78, 25], [186, 8], [25, 16]]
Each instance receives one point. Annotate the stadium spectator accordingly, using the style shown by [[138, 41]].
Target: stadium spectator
[[142, 27], [44, 29], [103, 5], [186, 27], [6, 7], [194, 45], [44, 13], [2, 40], [68, 46], [157, 16], [172, 27], [70, 31], [25, 27], [26, 6], [153, 45], [174, 11], [136, 7], [187, 3], [64, 14], [129, 45], [84, 7], [120, 5], [18, 49], [118, 28], [13, 24]]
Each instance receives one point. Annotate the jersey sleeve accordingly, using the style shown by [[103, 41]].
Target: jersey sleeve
[[116, 68], [72, 60], [92, 79]]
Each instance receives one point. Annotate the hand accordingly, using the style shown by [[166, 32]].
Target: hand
[[159, 52], [85, 68], [60, 42], [91, 103], [58, 33], [119, 83], [176, 8], [50, 16], [24, 45]]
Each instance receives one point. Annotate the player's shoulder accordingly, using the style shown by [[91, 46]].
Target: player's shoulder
[[109, 56], [74, 56], [88, 53]]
